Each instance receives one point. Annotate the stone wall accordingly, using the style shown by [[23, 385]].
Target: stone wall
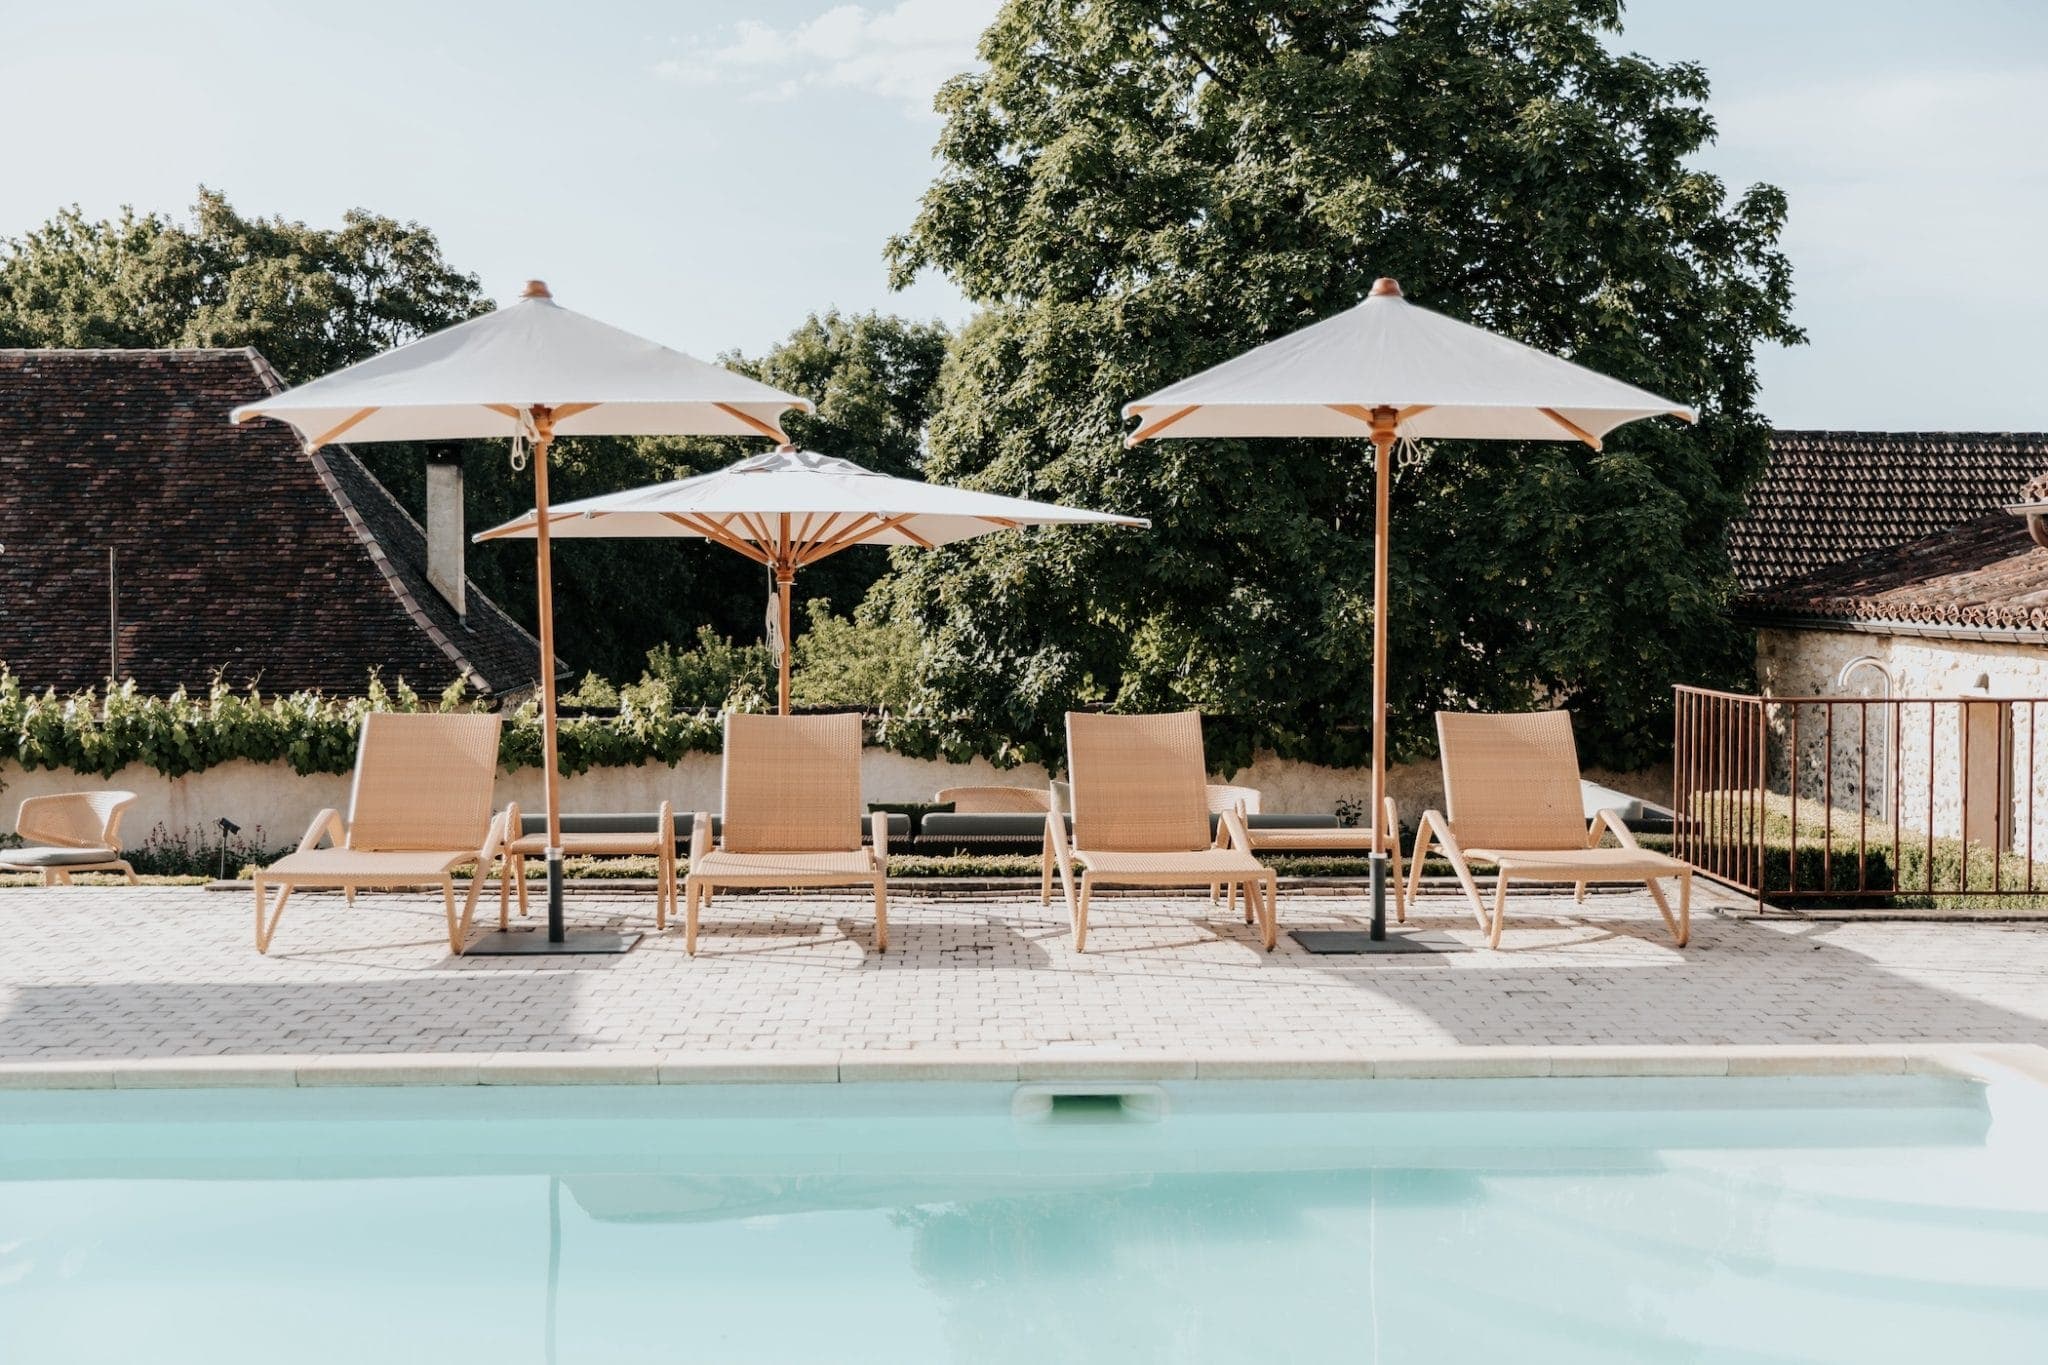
[[1985, 747]]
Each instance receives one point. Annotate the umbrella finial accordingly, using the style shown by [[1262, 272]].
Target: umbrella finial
[[1385, 285], [538, 289]]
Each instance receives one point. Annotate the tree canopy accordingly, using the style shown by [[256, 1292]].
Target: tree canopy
[[1133, 192], [310, 299]]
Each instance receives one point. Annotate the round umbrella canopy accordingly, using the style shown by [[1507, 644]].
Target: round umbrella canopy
[[790, 508], [1386, 369], [531, 371]]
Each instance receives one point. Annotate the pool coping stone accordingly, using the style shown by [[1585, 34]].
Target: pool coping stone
[[1984, 1061]]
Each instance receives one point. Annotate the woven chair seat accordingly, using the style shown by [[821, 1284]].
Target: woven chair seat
[[577, 844], [365, 867], [1193, 867], [785, 869], [1575, 864]]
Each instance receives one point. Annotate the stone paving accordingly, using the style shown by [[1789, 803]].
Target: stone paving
[[118, 972]]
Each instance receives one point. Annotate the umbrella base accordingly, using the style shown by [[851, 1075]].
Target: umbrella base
[[536, 943], [1323, 942]]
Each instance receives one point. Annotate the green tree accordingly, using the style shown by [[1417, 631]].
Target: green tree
[[310, 299], [1135, 191]]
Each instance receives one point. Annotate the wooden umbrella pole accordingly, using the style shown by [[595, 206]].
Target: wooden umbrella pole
[[1384, 421], [785, 578], [544, 435]]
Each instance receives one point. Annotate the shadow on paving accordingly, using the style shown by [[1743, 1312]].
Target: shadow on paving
[[1739, 982]]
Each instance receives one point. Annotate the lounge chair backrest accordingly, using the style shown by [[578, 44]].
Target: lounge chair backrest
[[792, 783], [985, 800], [423, 781], [1511, 781], [1223, 798], [74, 819], [1140, 784]]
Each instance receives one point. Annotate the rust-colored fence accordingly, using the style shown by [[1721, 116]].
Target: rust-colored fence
[[1862, 800]]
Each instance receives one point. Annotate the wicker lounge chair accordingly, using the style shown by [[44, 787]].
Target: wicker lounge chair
[[792, 816], [591, 835], [1511, 798], [420, 808], [1294, 834], [1141, 818], [71, 832]]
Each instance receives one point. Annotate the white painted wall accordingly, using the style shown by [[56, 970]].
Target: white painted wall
[[279, 803]]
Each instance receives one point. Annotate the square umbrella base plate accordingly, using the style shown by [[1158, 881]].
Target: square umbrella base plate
[[534, 943], [1341, 941]]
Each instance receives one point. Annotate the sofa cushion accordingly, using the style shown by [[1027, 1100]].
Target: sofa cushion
[[55, 857]]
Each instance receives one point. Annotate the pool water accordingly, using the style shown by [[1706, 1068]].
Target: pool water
[[1641, 1220]]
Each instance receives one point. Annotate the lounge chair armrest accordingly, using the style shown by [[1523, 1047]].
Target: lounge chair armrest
[[1435, 825], [878, 825], [327, 822], [665, 824], [1056, 836], [494, 839], [1391, 815], [1233, 826], [1610, 821], [700, 837]]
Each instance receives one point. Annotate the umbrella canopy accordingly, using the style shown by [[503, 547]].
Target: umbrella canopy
[[531, 371], [790, 508], [487, 376], [1443, 378], [1386, 369]]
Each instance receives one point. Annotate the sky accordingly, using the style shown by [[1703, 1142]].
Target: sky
[[708, 174]]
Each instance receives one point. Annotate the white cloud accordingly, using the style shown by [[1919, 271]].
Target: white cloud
[[903, 53]]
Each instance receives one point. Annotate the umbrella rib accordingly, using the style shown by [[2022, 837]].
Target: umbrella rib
[[528, 525], [828, 529], [764, 428], [866, 535], [324, 437], [1573, 427], [1146, 433], [717, 534], [1361, 413], [568, 410], [852, 534]]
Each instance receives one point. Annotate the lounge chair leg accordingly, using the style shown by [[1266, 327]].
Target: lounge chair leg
[[454, 919], [692, 892], [1272, 912], [1680, 925], [1045, 873], [476, 890], [664, 888], [504, 893], [1081, 913], [1500, 909], [519, 880], [268, 916], [129, 872], [881, 916], [1579, 893], [348, 894]]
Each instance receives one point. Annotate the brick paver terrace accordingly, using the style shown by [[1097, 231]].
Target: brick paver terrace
[[116, 972]]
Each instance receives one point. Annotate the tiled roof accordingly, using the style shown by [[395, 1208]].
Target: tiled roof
[[1831, 496], [237, 552], [1986, 574]]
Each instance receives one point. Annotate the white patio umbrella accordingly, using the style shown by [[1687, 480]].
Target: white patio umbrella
[[1388, 370], [791, 508], [532, 371]]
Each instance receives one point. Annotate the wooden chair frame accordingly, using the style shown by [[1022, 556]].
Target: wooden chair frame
[[661, 845], [54, 821]]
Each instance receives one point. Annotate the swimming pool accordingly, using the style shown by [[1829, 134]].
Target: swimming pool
[[1755, 1219]]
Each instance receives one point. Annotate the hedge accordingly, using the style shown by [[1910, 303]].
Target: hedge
[[99, 734]]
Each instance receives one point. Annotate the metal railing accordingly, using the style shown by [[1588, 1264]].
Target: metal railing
[[1857, 800]]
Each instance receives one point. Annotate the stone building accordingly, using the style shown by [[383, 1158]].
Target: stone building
[[1903, 565]]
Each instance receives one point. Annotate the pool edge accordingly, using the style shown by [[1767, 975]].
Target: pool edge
[[2007, 1062]]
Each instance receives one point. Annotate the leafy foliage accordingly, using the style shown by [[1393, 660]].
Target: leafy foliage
[[1135, 192], [310, 299]]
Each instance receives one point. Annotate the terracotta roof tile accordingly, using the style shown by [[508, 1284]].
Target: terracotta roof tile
[[1831, 496], [1986, 574], [237, 551]]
